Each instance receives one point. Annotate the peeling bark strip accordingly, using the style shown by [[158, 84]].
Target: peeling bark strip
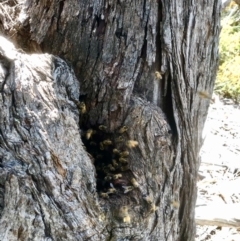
[[141, 65]]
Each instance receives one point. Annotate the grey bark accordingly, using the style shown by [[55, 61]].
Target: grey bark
[[140, 64]]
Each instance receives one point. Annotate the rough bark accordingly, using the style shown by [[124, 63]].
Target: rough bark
[[145, 65]]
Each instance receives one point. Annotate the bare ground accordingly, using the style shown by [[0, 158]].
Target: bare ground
[[220, 167]]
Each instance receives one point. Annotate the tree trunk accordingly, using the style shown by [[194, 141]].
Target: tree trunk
[[117, 157]]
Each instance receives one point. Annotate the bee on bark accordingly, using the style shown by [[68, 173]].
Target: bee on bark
[[175, 204], [107, 142], [123, 161], [111, 190], [147, 199], [117, 176], [124, 168], [124, 154], [205, 95], [134, 183], [127, 189], [158, 75], [131, 143], [116, 151], [108, 178], [93, 143], [101, 146], [119, 139], [122, 129], [111, 168], [89, 134], [152, 208], [104, 195], [127, 219], [124, 215], [105, 169], [82, 107], [102, 128], [114, 163]]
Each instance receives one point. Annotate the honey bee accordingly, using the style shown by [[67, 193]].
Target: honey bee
[[122, 129], [123, 211], [104, 195], [89, 133], [124, 215], [107, 142], [117, 176], [105, 169], [134, 183], [114, 163], [108, 178], [158, 75], [147, 199], [101, 146], [93, 143], [205, 95], [175, 204], [115, 151], [124, 168], [127, 189], [102, 128], [124, 154], [123, 161], [127, 219], [119, 139], [82, 107], [101, 217], [131, 143], [111, 191], [152, 208], [111, 168]]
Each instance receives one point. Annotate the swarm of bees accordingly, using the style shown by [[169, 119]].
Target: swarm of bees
[[110, 152]]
